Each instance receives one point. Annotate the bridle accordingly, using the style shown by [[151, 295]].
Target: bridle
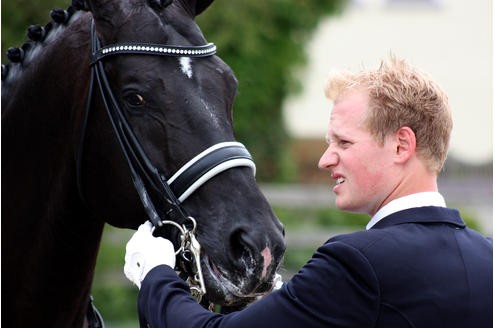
[[161, 197]]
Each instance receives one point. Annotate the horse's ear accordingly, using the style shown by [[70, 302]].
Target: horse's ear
[[201, 5], [159, 4]]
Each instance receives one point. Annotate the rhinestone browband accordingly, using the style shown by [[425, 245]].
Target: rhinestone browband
[[154, 49]]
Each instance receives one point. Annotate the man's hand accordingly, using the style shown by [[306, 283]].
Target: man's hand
[[144, 252]]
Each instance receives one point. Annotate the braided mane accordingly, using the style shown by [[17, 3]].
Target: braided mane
[[37, 34]]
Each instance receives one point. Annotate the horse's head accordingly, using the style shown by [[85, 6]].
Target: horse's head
[[178, 107]]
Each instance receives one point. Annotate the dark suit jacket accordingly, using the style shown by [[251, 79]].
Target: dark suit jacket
[[420, 267]]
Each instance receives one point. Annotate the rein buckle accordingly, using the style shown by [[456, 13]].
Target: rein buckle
[[195, 281], [189, 257]]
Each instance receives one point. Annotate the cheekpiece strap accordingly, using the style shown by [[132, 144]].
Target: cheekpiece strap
[[154, 49]]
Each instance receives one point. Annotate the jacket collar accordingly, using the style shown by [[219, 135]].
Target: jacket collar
[[425, 214], [420, 199]]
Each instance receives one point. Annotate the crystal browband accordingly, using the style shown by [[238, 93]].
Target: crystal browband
[[154, 49]]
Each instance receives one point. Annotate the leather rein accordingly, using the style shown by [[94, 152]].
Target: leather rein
[[161, 197]]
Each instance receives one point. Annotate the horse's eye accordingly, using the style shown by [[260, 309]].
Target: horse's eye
[[134, 100]]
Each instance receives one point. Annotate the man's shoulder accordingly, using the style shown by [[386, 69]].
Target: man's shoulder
[[363, 239], [375, 241], [408, 236]]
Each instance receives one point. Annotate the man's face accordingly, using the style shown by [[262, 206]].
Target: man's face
[[360, 166]]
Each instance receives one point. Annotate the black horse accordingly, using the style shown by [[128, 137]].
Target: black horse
[[75, 156]]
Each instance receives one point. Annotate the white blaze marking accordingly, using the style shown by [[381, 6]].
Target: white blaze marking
[[185, 65]]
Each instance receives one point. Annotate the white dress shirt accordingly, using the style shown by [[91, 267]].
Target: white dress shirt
[[421, 199]]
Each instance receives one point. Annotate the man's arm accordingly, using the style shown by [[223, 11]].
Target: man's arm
[[336, 288]]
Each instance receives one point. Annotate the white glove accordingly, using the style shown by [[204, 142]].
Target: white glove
[[277, 282], [144, 252]]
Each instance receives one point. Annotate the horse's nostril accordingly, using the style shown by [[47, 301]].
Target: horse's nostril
[[242, 245]]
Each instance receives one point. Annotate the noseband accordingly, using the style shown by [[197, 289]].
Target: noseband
[[162, 197]]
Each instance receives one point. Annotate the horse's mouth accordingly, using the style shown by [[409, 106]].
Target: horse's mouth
[[221, 287]]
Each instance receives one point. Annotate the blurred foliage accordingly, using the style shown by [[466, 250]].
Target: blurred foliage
[[114, 296], [297, 217], [262, 41]]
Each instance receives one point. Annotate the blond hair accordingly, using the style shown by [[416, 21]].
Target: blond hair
[[401, 95]]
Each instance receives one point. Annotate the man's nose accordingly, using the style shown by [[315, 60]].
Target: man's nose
[[329, 159]]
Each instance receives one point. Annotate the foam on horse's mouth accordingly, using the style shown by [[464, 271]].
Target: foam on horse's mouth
[[221, 281], [227, 286]]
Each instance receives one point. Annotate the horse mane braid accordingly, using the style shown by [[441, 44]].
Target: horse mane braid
[[60, 16], [38, 33]]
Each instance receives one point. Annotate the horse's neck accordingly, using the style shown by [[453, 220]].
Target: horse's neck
[[49, 240], [49, 249], [48, 260], [48, 257]]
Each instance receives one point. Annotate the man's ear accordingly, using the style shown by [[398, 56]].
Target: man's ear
[[405, 142]]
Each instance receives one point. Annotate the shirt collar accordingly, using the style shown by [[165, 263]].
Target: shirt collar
[[415, 200]]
